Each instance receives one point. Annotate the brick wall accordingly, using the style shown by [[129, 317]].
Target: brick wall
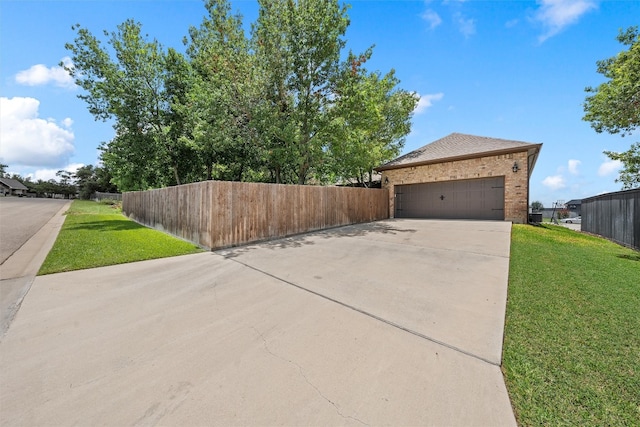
[[515, 191]]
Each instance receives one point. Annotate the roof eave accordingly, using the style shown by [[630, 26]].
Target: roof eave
[[536, 148]]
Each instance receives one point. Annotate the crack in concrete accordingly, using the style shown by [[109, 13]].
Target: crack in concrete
[[304, 376]]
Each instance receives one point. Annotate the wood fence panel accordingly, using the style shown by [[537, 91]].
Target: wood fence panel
[[218, 214], [221, 215], [204, 220]]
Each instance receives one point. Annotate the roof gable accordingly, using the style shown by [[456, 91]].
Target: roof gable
[[13, 184], [458, 146]]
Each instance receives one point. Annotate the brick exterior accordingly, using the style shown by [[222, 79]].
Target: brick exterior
[[516, 184]]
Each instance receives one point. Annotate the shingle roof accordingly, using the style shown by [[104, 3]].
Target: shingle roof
[[458, 146], [13, 184]]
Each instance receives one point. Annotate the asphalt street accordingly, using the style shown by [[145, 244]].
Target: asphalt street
[[20, 218]]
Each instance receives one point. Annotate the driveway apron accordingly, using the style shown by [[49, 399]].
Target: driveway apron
[[396, 322]]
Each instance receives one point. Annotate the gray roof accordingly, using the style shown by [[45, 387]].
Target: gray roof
[[12, 184], [459, 146]]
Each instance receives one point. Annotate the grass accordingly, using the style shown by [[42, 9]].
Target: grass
[[97, 234], [572, 333]]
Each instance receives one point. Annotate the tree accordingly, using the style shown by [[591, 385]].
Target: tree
[[223, 94], [66, 185], [3, 170], [90, 179], [279, 107], [130, 88], [298, 45], [371, 117], [614, 106], [537, 205], [85, 181], [630, 173]]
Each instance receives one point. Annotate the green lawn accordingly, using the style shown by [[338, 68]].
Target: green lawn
[[96, 235], [572, 335]]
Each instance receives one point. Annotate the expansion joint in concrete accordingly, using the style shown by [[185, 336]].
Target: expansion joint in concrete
[[373, 316]]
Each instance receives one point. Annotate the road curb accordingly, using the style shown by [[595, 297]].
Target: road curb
[[19, 271]]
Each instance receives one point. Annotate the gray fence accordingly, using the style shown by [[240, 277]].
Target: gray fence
[[615, 216], [217, 214]]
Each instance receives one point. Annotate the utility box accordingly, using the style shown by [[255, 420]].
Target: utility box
[[535, 218]]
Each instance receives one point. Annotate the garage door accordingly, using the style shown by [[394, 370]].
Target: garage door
[[464, 199]]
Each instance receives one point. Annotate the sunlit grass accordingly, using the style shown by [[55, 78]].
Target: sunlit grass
[[96, 235], [572, 335]]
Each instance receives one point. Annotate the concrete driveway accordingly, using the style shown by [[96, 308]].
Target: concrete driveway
[[397, 322]]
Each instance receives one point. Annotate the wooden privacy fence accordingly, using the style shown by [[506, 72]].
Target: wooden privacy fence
[[218, 214], [615, 216]]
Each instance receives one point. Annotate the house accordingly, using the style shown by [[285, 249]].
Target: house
[[12, 187], [462, 177], [574, 207]]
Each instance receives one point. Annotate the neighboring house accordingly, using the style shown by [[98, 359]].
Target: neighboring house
[[575, 207], [572, 206], [12, 187], [462, 177]]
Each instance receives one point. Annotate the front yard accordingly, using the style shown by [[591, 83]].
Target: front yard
[[96, 235], [572, 337]]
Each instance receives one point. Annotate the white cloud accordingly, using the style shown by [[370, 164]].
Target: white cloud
[[39, 75], [555, 15], [432, 18], [47, 174], [555, 182], [28, 140], [466, 26], [67, 122], [426, 101], [573, 166], [512, 23], [609, 167]]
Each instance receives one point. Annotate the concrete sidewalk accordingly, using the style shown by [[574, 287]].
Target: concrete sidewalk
[[18, 271], [395, 322]]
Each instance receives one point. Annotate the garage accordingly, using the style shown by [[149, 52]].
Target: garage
[[462, 176], [461, 199]]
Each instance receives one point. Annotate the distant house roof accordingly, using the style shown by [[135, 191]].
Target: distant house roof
[[574, 202], [459, 146], [12, 184]]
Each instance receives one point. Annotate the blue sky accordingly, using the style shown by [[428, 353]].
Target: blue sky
[[505, 69]]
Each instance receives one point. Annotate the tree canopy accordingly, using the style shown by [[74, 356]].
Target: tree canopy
[[630, 172], [283, 105], [614, 106]]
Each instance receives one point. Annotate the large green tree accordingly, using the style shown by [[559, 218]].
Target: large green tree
[[223, 94], [280, 106], [298, 45], [370, 119], [128, 83], [89, 179], [614, 106]]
